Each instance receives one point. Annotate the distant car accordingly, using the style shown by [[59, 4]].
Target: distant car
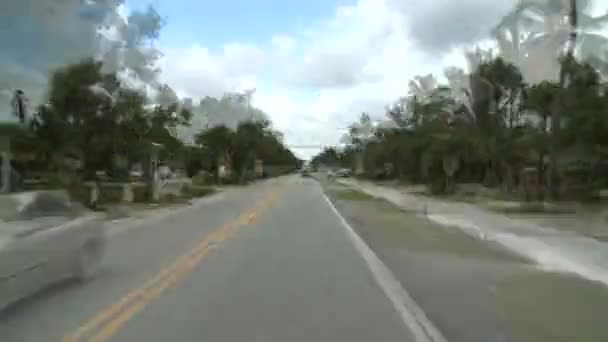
[[136, 174], [343, 173], [44, 239], [305, 173]]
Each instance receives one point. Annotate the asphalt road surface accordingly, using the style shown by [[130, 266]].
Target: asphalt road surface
[[270, 262]]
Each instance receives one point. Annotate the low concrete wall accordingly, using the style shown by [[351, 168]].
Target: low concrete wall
[[113, 192], [173, 186]]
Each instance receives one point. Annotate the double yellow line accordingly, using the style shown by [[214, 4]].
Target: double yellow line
[[112, 318]]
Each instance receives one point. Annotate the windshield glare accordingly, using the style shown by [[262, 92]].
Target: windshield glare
[[317, 170]]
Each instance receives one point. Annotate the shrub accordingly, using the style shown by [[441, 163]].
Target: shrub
[[140, 193], [80, 193], [438, 186], [193, 167], [192, 191], [169, 198], [203, 178], [54, 181], [110, 194]]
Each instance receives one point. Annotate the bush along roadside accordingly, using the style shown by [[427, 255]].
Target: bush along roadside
[[195, 191]]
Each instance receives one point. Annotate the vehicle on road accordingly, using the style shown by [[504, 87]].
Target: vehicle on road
[[305, 173], [344, 173], [45, 239]]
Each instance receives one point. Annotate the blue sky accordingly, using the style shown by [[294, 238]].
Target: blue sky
[[213, 23]]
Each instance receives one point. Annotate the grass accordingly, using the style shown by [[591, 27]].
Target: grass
[[193, 191], [391, 226], [527, 208], [554, 307], [352, 195], [420, 234]]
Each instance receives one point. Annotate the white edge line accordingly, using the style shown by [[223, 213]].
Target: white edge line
[[411, 314]]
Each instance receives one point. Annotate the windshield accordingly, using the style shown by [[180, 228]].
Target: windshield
[[323, 170]]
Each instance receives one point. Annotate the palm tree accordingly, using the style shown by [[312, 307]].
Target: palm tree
[[360, 135], [536, 33]]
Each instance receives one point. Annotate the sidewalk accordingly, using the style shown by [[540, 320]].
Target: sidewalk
[[550, 248]]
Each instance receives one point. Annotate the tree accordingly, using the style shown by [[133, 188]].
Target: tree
[[93, 117], [535, 33], [219, 141], [249, 136], [241, 145], [329, 156], [564, 76]]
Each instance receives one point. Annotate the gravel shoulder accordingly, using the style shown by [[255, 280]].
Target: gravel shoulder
[[474, 290]]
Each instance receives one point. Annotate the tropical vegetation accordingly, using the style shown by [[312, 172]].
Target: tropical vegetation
[[530, 117]]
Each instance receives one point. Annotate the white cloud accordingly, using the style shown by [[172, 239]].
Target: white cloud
[[39, 36], [197, 72], [238, 59], [283, 44], [440, 25], [315, 83], [193, 72]]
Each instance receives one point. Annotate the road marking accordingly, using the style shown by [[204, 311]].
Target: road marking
[[108, 321], [138, 293], [410, 313], [118, 322], [251, 218]]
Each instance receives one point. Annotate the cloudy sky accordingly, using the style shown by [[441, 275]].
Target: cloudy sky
[[316, 64]]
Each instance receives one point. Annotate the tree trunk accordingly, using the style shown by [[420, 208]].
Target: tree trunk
[[509, 178], [553, 177], [540, 170]]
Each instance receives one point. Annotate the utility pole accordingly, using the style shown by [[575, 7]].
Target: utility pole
[[565, 76], [248, 94]]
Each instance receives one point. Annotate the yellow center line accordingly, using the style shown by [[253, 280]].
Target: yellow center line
[[120, 312], [118, 322], [137, 293]]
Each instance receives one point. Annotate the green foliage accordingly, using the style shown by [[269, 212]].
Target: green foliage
[[353, 195], [501, 126], [194, 191], [169, 198], [250, 141], [141, 193], [110, 194], [54, 181], [203, 179], [93, 117]]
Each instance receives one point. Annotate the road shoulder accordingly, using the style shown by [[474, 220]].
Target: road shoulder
[[473, 290]]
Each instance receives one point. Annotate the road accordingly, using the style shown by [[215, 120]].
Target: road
[[270, 262]]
